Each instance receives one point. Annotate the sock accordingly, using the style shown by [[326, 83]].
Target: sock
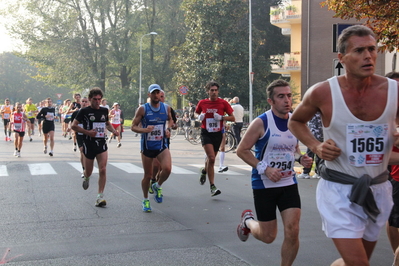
[[245, 222], [100, 195], [221, 159], [146, 199], [157, 185]]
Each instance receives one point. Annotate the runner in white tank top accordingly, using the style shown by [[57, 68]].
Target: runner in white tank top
[[358, 111]]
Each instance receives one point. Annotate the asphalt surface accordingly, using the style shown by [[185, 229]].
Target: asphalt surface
[[48, 219]]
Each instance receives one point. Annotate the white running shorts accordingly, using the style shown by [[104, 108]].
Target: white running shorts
[[343, 219]]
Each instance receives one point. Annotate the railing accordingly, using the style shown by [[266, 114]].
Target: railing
[[287, 61], [291, 10]]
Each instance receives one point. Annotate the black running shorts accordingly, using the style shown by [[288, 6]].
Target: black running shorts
[[266, 200]]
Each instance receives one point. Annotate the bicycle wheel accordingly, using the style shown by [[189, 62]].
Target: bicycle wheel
[[194, 136], [173, 133], [230, 141]]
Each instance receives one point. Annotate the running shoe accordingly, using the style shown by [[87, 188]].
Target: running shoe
[[158, 193], [215, 191], [100, 202], [150, 190], [146, 206], [109, 140], [6, 139], [202, 178], [15, 153], [242, 230], [85, 183], [74, 148], [9, 139], [304, 176], [50, 153], [30, 139], [82, 176], [18, 154], [223, 169], [119, 144], [45, 150]]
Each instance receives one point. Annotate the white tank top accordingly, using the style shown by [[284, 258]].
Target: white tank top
[[117, 117], [365, 145], [279, 153]]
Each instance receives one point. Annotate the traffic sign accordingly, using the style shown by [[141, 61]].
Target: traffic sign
[[338, 68], [59, 95], [183, 90]]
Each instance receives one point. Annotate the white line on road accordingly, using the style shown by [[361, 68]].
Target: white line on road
[[78, 166], [3, 170], [129, 168], [41, 169]]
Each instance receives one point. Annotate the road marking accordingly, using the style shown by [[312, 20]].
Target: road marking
[[228, 172], [242, 166], [3, 170], [41, 169], [179, 170], [78, 166], [129, 168]]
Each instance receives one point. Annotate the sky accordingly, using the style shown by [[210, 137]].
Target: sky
[[7, 44]]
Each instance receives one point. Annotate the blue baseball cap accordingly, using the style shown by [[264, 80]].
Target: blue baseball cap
[[154, 87]]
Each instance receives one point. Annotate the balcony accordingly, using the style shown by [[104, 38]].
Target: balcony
[[285, 15], [286, 63]]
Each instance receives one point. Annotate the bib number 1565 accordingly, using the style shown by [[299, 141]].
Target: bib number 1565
[[367, 145]]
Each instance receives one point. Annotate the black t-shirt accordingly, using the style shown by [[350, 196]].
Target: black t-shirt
[[94, 119], [76, 105], [46, 111]]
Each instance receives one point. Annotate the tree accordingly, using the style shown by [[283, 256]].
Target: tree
[[216, 46], [16, 81], [380, 15]]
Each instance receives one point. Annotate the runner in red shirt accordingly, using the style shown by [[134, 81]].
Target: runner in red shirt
[[212, 112]]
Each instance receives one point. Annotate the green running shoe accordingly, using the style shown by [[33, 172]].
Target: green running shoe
[[146, 206]]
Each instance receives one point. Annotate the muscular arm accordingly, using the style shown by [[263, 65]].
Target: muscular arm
[[253, 133], [137, 120], [314, 100]]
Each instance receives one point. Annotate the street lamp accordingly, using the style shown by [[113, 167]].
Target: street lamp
[[250, 64], [141, 60]]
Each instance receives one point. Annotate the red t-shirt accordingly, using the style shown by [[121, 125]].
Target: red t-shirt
[[395, 168], [209, 107]]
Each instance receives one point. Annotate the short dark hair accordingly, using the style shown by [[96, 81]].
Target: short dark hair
[[355, 30], [274, 84], [392, 75], [95, 91], [211, 84]]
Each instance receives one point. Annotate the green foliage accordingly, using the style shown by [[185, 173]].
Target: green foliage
[[16, 81], [215, 46]]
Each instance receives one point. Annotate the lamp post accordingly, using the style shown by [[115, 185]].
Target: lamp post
[[250, 64], [141, 60]]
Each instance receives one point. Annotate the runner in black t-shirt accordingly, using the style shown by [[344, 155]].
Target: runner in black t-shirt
[[95, 122], [47, 115]]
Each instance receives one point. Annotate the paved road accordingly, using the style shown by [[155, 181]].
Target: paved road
[[48, 219]]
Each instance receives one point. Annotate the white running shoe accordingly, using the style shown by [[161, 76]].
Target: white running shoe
[[304, 176], [316, 176], [15, 153]]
